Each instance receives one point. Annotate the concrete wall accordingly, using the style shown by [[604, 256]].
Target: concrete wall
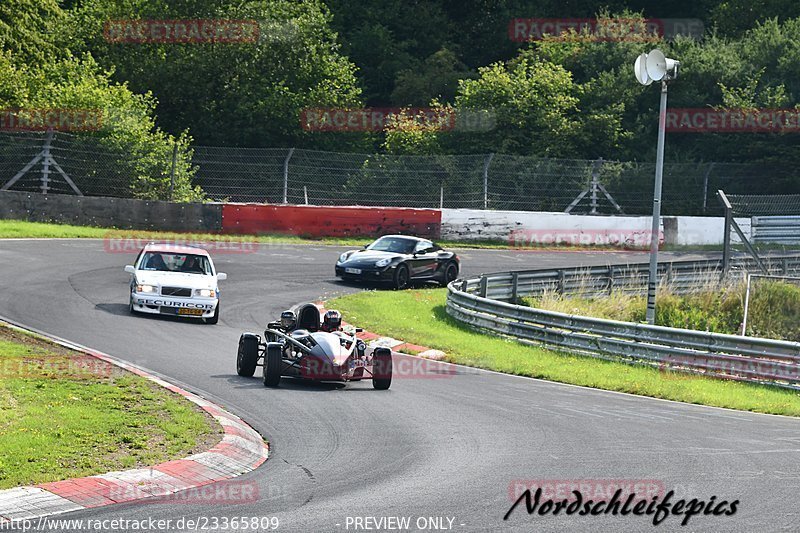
[[515, 227], [701, 230], [121, 213], [532, 228]]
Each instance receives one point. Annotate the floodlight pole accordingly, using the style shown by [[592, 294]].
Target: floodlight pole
[[652, 281]]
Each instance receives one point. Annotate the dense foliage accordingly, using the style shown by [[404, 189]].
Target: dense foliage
[[568, 98]]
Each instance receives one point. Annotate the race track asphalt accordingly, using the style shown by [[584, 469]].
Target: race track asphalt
[[438, 444]]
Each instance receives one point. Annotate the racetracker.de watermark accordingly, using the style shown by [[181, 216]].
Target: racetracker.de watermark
[[381, 118], [121, 242], [223, 492], [704, 120], [732, 366], [596, 489], [68, 367], [625, 238], [403, 367], [50, 119], [200, 31], [616, 29]]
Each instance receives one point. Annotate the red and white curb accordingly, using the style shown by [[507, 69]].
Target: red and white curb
[[241, 450], [374, 340]]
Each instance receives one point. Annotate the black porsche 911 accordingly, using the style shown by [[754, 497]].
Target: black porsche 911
[[399, 260]]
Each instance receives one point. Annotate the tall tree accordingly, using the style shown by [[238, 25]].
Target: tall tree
[[241, 93]]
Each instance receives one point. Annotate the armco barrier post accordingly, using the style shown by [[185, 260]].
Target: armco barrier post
[[610, 279], [484, 286], [514, 286]]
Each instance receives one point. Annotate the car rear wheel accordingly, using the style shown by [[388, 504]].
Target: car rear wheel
[[450, 273], [247, 356], [382, 368], [401, 277], [272, 365]]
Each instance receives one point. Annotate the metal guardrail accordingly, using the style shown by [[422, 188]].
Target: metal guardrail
[[478, 303], [776, 229]]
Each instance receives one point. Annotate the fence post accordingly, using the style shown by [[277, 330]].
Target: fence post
[[596, 165], [561, 282], [705, 186], [514, 287], [286, 176], [486, 181], [46, 160], [441, 196], [726, 236], [172, 172], [484, 286]]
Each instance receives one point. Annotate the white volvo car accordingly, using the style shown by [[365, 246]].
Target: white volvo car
[[169, 279]]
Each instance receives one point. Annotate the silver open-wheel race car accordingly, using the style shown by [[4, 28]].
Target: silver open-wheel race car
[[300, 345]]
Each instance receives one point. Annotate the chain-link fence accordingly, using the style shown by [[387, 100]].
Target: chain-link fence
[[64, 163]]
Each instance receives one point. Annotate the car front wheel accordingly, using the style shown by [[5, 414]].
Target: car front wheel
[[247, 356], [382, 368], [215, 318], [272, 365]]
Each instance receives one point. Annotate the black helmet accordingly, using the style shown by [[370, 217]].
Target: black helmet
[[288, 320], [332, 320]]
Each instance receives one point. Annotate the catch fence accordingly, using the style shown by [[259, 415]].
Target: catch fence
[[96, 166]]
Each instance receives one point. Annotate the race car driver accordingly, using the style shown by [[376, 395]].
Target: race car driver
[[332, 321]]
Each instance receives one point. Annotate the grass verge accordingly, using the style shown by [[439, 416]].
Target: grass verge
[[774, 309], [64, 414], [419, 317]]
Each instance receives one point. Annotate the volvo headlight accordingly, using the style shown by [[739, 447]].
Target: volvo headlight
[[343, 257], [146, 288], [205, 293], [383, 262]]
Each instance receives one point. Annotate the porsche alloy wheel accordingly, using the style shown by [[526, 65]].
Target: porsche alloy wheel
[[450, 273], [401, 277]]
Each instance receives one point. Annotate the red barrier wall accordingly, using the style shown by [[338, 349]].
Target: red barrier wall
[[318, 221]]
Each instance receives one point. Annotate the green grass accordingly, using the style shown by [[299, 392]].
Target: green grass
[[18, 229], [774, 310], [65, 414], [419, 317]]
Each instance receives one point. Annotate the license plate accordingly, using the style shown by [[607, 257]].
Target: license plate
[[352, 270], [192, 312]]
